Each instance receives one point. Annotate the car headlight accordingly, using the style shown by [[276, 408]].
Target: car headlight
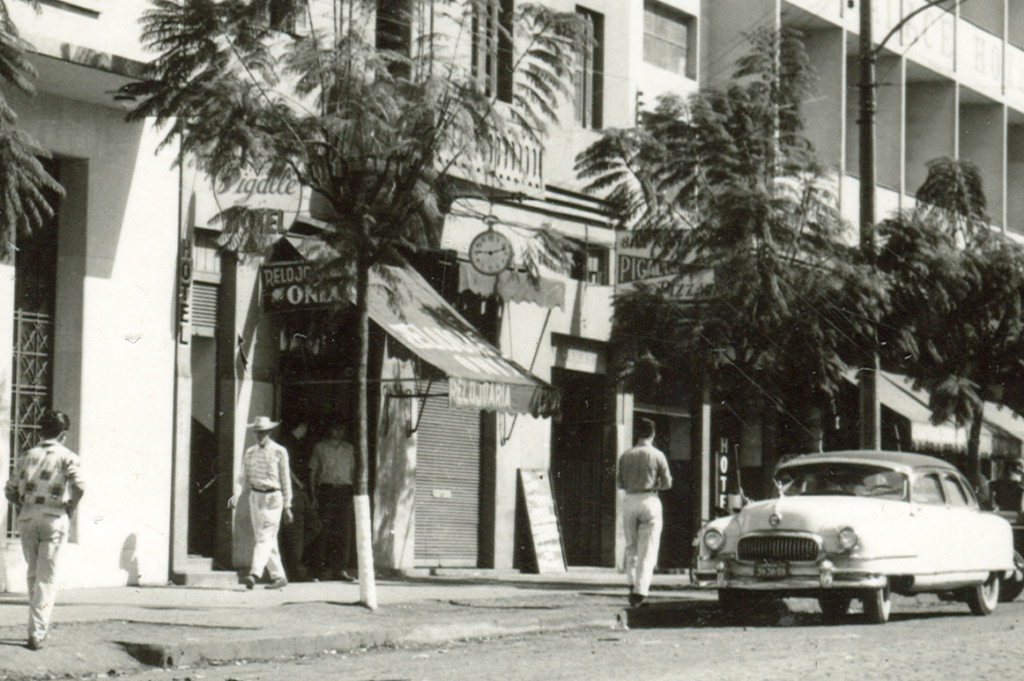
[[713, 539], [847, 538]]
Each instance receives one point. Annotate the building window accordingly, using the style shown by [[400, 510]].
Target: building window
[[590, 264], [590, 72], [394, 26], [668, 40], [394, 32], [492, 47], [287, 15]]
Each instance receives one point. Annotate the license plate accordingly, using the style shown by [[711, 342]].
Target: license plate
[[770, 570]]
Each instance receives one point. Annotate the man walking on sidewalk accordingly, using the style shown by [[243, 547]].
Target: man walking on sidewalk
[[642, 473], [266, 472], [46, 488]]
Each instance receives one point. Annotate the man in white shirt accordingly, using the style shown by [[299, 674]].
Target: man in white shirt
[[45, 489], [266, 473]]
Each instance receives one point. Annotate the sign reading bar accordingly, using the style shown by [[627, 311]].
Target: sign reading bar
[[289, 286], [539, 499], [635, 263]]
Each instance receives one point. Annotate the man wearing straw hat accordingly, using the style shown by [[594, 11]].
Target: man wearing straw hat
[[265, 471]]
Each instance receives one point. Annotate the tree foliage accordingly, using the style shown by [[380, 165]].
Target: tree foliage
[[26, 189], [957, 322], [764, 295], [377, 133]]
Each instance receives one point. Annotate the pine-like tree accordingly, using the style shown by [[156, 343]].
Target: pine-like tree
[[25, 186], [765, 297]]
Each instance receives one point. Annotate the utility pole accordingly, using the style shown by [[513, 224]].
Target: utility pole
[[870, 409]]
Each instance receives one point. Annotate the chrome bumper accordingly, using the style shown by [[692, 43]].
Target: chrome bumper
[[807, 578]]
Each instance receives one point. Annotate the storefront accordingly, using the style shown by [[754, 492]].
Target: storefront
[[433, 382]]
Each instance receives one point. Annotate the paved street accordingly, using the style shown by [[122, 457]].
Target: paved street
[[929, 640], [480, 624]]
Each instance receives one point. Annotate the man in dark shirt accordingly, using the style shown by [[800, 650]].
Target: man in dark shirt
[[1008, 490], [642, 473]]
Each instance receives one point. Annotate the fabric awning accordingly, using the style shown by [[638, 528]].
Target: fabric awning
[[406, 306], [1002, 430], [417, 316]]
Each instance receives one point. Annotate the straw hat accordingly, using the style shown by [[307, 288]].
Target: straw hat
[[263, 423]]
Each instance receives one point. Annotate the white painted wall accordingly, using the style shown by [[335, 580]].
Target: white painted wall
[[114, 364]]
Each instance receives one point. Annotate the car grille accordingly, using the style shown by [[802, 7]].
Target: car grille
[[777, 547]]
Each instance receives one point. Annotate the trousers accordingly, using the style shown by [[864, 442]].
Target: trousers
[[265, 511], [42, 538], [641, 524], [335, 502]]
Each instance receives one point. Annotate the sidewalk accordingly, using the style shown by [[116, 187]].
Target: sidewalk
[[129, 629]]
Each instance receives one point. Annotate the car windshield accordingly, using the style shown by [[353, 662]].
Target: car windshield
[[850, 479]]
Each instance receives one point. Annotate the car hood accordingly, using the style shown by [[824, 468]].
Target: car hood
[[812, 514]]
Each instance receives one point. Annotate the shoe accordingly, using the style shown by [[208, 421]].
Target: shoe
[[34, 643], [346, 577], [278, 583], [249, 581], [636, 600]]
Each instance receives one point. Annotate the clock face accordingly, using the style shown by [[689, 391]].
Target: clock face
[[490, 252]]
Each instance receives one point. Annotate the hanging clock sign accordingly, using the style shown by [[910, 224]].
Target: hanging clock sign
[[490, 252]]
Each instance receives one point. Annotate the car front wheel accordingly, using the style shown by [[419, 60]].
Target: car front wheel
[[877, 605], [984, 598]]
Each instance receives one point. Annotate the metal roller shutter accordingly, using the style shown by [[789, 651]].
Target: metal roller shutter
[[204, 308], [447, 502]]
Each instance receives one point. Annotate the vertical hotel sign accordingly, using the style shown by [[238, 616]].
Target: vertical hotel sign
[[185, 292]]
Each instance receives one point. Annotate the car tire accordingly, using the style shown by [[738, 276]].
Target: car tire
[[834, 605], [877, 605], [1010, 589], [984, 598]]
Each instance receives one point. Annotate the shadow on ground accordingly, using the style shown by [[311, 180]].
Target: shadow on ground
[[765, 613]]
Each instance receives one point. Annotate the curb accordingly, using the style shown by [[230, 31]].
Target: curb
[[190, 653]]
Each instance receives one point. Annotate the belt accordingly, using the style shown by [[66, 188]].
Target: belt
[[265, 491], [335, 484], [645, 491]]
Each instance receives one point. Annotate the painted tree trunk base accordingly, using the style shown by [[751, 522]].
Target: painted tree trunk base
[[364, 549]]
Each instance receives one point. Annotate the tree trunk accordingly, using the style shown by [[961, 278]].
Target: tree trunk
[[974, 457], [361, 486]]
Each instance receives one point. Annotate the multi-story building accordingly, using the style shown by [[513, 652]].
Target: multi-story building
[[88, 302], [947, 85], [160, 399]]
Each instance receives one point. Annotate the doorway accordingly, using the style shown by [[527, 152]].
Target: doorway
[[583, 467]]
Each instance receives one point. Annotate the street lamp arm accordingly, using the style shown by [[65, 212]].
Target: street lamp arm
[[903, 22]]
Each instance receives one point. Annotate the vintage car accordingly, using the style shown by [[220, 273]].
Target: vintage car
[[858, 525]]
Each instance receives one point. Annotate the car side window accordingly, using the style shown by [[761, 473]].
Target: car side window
[[954, 492], [928, 490]]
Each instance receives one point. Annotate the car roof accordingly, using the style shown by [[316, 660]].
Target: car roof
[[905, 460]]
